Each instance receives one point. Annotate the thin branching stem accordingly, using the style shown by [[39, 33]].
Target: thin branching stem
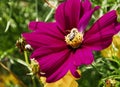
[[50, 13], [49, 4]]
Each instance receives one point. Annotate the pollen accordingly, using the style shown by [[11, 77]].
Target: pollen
[[74, 38]]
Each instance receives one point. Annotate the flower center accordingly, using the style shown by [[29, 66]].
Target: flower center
[[74, 38]]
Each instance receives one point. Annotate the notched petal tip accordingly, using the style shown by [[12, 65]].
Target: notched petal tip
[[97, 7], [76, 74], [117, 28], [86, 18]]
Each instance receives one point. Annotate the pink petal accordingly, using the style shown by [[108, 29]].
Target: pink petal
[[54, 63], [74, 68], [104, 21], [83, 56], [74, 72], [86, 6], [86, 18], [46, 50], [44, 34], [117, 28], [65, 66], [67, 14], [100, 34]]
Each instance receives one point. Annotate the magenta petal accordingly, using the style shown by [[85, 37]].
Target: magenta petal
[[74, 69], [44, 34], [83, 56], [75, 73], [64, 68], [67, 14], [117, 28], [54, 63], [85, 19], [46, 50], [86, 6], [101, 33], [59, 73], [50, 27], [103, 22]]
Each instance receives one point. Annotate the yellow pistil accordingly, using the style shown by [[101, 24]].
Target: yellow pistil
[[74, 38]]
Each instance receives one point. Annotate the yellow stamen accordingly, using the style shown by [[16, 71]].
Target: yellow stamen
[[74, 38]]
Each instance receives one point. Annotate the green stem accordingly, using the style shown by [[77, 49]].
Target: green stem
[[36, 9], [96, 69], [26, 57], [10, 14], [33, 80], [50, 13], [27, 62], [41, 85]]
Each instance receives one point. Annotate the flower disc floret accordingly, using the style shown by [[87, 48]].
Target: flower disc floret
[[74, 38]]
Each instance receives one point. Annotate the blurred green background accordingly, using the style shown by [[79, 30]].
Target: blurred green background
[[14, 18]]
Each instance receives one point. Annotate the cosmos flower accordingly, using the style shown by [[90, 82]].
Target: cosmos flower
[[66, 44]]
